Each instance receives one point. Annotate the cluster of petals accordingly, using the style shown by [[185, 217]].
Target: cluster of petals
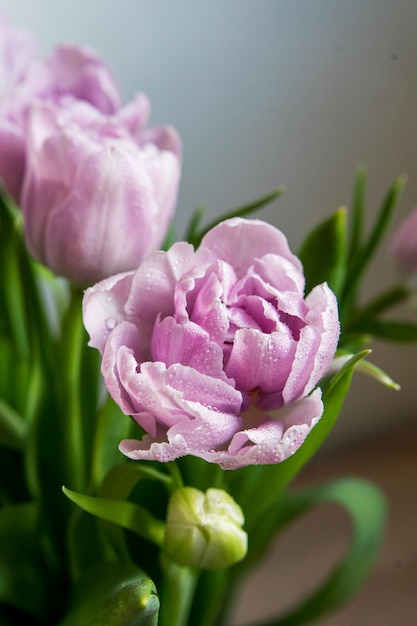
[[216, 352], [97, 187]]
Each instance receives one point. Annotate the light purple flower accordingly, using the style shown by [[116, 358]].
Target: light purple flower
[[17, 49], [404, 245], [216, 352], [69, 73], [100, 190]]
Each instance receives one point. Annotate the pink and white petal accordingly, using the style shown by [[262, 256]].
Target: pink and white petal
[[134, 115], [120, 363], [316, 345], [150, 450], [104, 307], [307, 411], [164, 170], [280, 273], [259, 360], [239, 241], [188, 344], [275, 440], [150, 394], [192, 437], [101, 237], [172, 394], [302, 364], [323, 314], [77, 70], [155, 281], [200, 393], [205, 307], [17, 50], [164, 137]]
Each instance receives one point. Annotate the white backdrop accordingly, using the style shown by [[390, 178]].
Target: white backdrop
[[265, 93]]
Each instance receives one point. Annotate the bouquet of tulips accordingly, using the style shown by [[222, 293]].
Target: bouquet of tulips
[[158, 396]]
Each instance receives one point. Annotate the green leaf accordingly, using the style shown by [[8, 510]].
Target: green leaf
[[359, 263], [122, 477], [91, 539], [369, 369], [367, 509], [119, 484], [24, 582], [393, 297], [22, 308], [323, 253], [351, 362], [113, 594], [12, 427], [390, 330], [126, 514], [246, 209], [358, 213]]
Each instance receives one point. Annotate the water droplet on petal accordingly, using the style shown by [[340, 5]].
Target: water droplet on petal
[[111, 322]]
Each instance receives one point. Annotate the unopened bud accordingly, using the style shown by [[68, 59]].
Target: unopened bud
[[204, 530]]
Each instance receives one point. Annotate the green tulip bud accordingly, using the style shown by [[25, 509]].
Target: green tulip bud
[[113, 594], [204, 530]]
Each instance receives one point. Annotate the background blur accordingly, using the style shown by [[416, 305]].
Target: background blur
[[267, 93]]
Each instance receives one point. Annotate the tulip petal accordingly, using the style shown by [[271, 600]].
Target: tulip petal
[[274, 440], [232, 239]]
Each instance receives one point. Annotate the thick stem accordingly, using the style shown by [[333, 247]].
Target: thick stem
[[177, 594], [72, 414]]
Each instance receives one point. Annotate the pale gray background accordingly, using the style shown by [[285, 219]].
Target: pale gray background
[[263, 93]]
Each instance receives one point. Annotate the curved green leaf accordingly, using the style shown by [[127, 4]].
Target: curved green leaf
[[90, 538], [367, 509], [368, 369], [126, 514]]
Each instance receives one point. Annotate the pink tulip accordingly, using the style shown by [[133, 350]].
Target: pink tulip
[[17, 49], [404, 245], [100, 190], [216, 353], [70, 73]]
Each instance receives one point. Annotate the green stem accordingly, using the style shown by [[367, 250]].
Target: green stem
[[177, 481], [72, 414], [177, 594], [214, 597]]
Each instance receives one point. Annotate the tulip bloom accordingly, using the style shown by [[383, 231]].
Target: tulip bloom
[[70, 73], [100, 190], [17, 49], [216, 352], [404, 245]]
